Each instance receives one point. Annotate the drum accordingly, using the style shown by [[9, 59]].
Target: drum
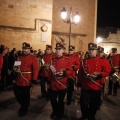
[[114, 77]]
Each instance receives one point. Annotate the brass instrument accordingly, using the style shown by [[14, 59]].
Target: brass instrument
[[114, 77], [55, 75], [16, 69]]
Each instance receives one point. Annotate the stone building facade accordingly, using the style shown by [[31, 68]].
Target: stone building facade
[[21, 21], [113, 40]]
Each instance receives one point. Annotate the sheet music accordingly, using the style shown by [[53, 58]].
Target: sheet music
[[43, 62], [17, 63], [53, 69]]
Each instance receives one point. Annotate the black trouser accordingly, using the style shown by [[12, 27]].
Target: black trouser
[[113, 87], [11, 77], [57, 102], [70, 89], [22, 94], [3, 79], [89, 102], [43, 81]]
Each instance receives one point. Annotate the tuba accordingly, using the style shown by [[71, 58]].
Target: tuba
[[114, 77]]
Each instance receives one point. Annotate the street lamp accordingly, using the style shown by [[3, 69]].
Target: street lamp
[[70, 20]]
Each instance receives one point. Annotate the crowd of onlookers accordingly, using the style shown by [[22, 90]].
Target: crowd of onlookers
[[7, 59]]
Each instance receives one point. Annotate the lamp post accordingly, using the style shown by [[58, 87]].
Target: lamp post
[[70, 20]]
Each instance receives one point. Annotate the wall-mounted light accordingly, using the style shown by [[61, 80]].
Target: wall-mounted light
[[44, 28], [99, 39]]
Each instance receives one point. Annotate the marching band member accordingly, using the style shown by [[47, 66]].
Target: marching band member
[[45, 70], [105, 80], [4, 70], [75, 60], [60, 69], [1, 62], [91, 72], [115, 64], [27, 72]]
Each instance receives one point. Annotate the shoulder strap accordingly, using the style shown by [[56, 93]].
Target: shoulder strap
[[111, 62], [83, 67]]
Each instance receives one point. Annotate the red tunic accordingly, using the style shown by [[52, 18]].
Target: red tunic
[[115, 61], [47, 59], [60, 63], [1, 63], [93, 65], [29, 63], [75, 61], [107, 63]]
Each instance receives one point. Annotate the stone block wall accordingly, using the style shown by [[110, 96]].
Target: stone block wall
[[21, 20]]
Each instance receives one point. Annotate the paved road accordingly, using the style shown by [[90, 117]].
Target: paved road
[[40, 109]]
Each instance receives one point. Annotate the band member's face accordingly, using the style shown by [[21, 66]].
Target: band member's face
[[92, 53], [59, 52], [71, 52], [114, 53], [26, 51], [101, 54], [48, 51]]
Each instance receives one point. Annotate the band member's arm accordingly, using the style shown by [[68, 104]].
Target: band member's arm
[[106, 69], [69, 68], [77, 64], [80, 75], [35, 68]]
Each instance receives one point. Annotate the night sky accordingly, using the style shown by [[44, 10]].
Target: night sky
[[108, 13]]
